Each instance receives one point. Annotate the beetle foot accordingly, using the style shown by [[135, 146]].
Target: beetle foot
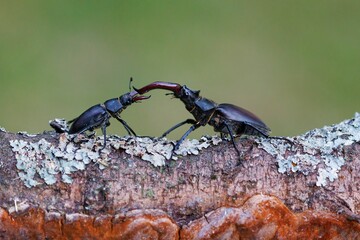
[[239, 162], [92, 134], [168, 165]]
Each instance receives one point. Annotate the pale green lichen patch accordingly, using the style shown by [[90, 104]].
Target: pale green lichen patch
[[42, 162], [154, 150], [26, 134], [157, 151], [319, 150]]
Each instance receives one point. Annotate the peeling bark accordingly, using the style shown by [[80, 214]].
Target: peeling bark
[[202, 196]]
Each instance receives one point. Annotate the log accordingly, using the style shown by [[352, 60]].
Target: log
[[55, 186]]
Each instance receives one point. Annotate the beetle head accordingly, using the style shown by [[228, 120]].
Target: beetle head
[[187, 95], [131, 97]]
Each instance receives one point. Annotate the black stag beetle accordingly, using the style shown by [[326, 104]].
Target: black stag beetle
[[225, 118], [98, 116]]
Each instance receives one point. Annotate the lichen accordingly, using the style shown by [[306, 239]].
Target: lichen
[[45, 160], [26, 134], [319, 150], [158, 150], [42, 162]]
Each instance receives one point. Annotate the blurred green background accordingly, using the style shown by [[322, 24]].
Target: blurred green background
[[295, 64]]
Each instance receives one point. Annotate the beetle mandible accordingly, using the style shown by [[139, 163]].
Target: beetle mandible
[[225, 118]]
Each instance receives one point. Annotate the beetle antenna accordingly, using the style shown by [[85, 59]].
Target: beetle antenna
[[131, 79], [172, 94]]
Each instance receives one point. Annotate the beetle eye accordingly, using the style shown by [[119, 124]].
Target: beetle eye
[[184, 91], [125, 99]]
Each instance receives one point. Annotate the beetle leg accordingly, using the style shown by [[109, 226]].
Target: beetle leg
[[192, 128], [90, 135], [126, 126], [222, 135], [187, 121], [103, 129], [231, 133]]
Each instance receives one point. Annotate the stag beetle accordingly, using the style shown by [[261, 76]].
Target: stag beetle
[[98, 116], [225, 118]]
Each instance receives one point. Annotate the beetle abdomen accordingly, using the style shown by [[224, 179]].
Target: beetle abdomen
[[88, 120], [240, 116]]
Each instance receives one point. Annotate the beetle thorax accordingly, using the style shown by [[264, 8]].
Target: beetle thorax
[[201, 108]]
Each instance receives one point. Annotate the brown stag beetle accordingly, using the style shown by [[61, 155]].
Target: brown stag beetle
[[226, 118], [98, 116]]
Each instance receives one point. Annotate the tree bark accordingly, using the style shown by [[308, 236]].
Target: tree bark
[[56, 187]]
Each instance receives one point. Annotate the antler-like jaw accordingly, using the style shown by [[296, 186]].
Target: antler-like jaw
[[135, 97], [139, 98], [174, 87]]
